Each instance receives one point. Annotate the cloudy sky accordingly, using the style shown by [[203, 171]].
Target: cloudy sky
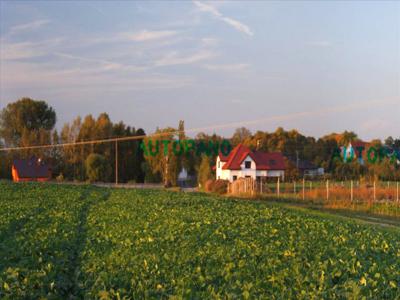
[[318, 67]]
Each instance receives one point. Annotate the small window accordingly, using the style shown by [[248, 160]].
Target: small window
[[247, 164], [219, 164], [272, 162], [234, 177]]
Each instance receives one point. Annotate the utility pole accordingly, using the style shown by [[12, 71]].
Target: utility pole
[[166, 172], [327, 190], [351, 191], [278, 189], [116, 162]]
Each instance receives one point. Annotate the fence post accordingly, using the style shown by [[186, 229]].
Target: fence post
[[116, 162], [397, 193], [374, 191], [304, 196], [327, 190], [351, 193], [278, 187]]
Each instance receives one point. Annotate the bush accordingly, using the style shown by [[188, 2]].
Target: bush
[[217, 186], [208, 185], [97, 168], [60, 178], [205, 172]]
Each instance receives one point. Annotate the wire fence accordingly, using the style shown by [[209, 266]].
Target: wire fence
[[376, 196]]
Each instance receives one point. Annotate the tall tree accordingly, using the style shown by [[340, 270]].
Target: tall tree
[[26, 119], [205, 172], [160, 155], [240, 135]]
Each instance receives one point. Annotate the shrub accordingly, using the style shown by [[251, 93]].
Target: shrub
[[205, 173], [97, 168], [60, 178], [208, 185], [217, 186]]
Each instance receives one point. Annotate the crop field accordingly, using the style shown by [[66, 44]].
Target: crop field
[[59, 241]]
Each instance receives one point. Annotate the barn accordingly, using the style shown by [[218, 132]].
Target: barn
[[32, 169]]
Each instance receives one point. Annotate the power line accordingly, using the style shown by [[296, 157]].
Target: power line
[[342, 108]]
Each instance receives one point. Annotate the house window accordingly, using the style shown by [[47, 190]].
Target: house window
[[219, 164], [247, 164], [234, 177]]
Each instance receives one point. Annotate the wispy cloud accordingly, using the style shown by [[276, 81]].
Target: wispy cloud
[[28, 26], [76, 80], [227, 67], [209, 42], [27, 50], [102, 64], [230, 21], [173, 58], [148, 35], [321, 44]]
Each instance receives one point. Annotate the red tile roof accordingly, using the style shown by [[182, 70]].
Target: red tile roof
[[263, 160], [223, 158]]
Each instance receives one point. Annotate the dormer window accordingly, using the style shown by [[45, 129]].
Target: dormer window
[[247, 164]]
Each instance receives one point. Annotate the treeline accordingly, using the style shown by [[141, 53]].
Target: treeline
[[27, 122], [321, 152]]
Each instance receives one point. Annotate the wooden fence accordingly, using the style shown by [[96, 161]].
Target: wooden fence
[[352, 191]]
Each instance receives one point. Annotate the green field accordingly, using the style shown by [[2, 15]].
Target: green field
[[59, 241]]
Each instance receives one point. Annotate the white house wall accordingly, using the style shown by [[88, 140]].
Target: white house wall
[[252, 172]]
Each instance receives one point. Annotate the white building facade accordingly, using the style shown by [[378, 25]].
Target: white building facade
[[242, 163]]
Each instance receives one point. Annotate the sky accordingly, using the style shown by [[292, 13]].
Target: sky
[[318, 67]]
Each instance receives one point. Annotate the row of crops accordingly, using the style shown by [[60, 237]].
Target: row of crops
[[85, 242]]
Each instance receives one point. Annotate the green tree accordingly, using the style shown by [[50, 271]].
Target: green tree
[[161, 157], [26, 120], [72, 162], [97, 168], [347, 137], [240, 135], [204, 171]]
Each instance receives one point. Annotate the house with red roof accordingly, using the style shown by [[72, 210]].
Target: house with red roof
[[242, 163], [32, 169]]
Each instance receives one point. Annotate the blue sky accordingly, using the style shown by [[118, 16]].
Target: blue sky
[[315, 66]]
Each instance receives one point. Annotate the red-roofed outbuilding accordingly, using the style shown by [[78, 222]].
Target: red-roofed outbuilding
[[33, 169]]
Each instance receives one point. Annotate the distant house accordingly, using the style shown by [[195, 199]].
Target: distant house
[[184, 179], [242, 162], [307, 168], [353, 150], [33, 169]]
